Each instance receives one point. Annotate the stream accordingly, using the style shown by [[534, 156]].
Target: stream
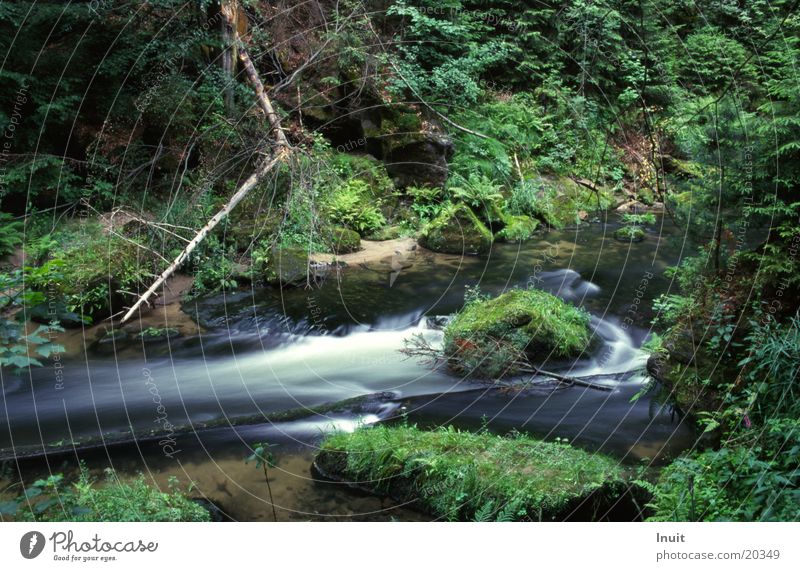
[[262, 352]]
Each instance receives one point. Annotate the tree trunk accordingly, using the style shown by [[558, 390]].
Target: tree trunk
[[282, 153], [248, 185]]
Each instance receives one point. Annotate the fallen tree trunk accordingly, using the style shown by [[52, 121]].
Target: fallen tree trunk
[[283, 152], [581, 381], [248, 185]]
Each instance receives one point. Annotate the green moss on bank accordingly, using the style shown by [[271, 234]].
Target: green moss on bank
[[518, 229], [467, 476]]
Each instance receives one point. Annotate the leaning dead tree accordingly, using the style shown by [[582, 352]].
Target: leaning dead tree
[[282, 152]]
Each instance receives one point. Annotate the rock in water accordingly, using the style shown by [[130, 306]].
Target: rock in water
[[489, 335]]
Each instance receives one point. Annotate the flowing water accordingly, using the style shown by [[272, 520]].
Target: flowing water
[[265, 351]]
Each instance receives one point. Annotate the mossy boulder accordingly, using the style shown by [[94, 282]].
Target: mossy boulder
[[416, 150], [563, 202], [490, 336], [344, 240], [629, 234], [466, 476], [386, 233], [517, 229], [287, 266], [457, 230]]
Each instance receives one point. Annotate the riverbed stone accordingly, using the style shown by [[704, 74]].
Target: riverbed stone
[[457, 230], [489, 337], [287, 266], [344, 240]]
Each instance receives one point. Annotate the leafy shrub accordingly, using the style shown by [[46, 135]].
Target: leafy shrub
[[18, 350], [86, 500], [351, 206], [638, 219], [735, 483], [477, 191], [427, 203], [629, 234], [211, 267], [526, 198], [10, 236]]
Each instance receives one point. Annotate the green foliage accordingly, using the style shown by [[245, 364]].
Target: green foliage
[[87, 267], [770, 368], [629, 234], [735, 483], [10, 234], [638, 219], [53, 499], [478, 192], [442, 51], [352, 206], [18, 349], [467, 476], [526, 198], [426, 203], [212, 268]]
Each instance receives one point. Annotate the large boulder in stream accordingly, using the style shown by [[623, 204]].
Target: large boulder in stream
[[469, 476], [489, 337], [457, 230], [287, 266]]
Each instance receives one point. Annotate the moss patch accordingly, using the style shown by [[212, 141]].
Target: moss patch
[[560, 201], [344, 240], [468, 476], [457, 230], [286, 266], [489, 335], [517, 229]]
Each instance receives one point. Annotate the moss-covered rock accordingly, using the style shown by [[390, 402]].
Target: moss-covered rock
[[157, 334], [344, 240], [489, 336], [467, 476], [416, 151], [287, 265], [629, 234], [517, 229], [563, 202], [457, 230]]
